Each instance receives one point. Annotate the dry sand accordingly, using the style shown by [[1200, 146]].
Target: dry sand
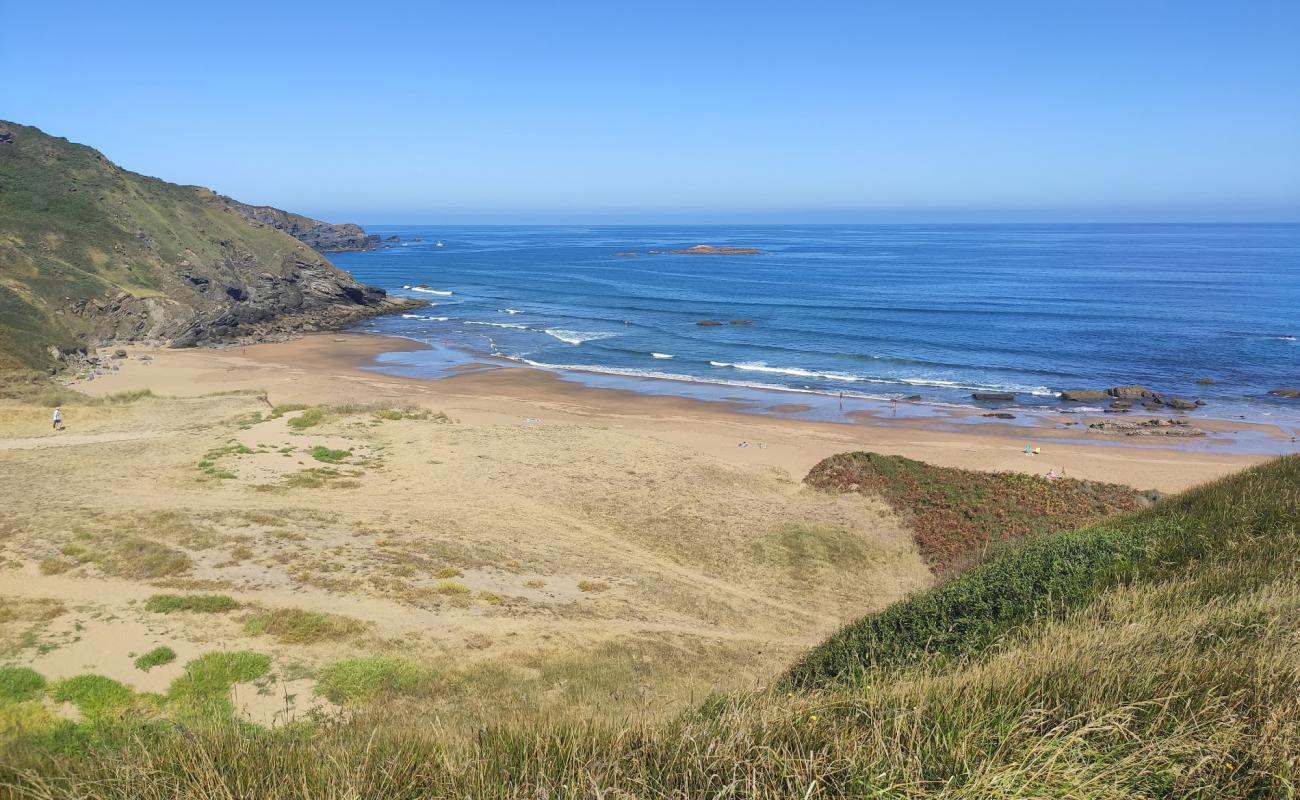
[[583, 523]]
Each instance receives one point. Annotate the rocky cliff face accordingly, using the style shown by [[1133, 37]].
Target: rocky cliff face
[[324, 237], [91, 253]]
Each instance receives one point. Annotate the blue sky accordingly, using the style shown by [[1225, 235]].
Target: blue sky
[[669, 111]]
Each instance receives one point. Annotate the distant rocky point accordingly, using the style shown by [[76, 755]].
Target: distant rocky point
[[323, 237], [710, 250]]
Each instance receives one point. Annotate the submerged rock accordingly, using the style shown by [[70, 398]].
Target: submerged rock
[[994, 397], [1285, 391], [710, 250]]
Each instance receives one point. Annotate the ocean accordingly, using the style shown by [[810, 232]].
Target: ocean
[[885, 311]]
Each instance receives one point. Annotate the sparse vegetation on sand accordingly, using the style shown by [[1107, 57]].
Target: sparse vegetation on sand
[[309, 418], [200, 603], [1152, 655], [957, 513], [296, 626]]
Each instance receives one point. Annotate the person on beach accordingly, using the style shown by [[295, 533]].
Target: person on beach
[[58, 417]]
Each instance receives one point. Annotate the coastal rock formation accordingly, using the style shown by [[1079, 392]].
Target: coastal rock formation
[[1151, 427], [1205, 381], [710, 250], [1285, 391], [1130, 392], [708, 323], [127, 257], [994, 397], [1084, 395], [323, 237]]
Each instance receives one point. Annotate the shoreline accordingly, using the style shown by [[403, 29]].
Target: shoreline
[[343, 367]]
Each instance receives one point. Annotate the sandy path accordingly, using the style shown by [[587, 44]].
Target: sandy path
[[75, 439]]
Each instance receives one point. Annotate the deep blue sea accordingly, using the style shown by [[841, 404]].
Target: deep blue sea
[[876, 311]]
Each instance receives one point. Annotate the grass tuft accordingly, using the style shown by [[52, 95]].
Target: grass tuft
[[295, 626], [20, 683], [365, 679], [155, 658], [199, 603], [325, 454]]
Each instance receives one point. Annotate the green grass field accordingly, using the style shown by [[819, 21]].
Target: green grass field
[[1152, 655]]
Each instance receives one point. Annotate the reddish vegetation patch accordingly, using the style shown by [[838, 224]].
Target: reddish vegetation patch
[[955, 513]]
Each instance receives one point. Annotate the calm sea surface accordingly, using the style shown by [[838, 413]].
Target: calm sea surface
[[876, 311]]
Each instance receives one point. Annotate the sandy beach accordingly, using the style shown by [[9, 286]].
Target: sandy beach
[[330, 368], [499, 521]]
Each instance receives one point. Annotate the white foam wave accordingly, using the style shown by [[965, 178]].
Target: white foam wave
[[498, 325], [424, 317], [509, 311], [759, 366], [661, 355], [428, 291], [575, 337]]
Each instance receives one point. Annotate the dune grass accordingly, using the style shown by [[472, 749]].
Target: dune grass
[[1256, 512], [1155, 655]]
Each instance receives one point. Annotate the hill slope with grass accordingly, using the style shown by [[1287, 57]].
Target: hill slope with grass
[[90, 252], [1152, 655]]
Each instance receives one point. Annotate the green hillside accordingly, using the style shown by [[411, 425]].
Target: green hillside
[[1155, 655], [90, 251]]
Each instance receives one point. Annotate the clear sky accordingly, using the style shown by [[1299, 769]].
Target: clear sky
[[665, 111]]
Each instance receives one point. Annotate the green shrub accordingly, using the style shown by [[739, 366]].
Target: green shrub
[[956, 513], [155, 658], [200, 603]]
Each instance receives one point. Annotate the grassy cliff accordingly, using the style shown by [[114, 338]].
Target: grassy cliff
[[90, 251], [1154, 655]]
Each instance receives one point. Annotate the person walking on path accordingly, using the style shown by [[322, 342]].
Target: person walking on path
[[58, 417]]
